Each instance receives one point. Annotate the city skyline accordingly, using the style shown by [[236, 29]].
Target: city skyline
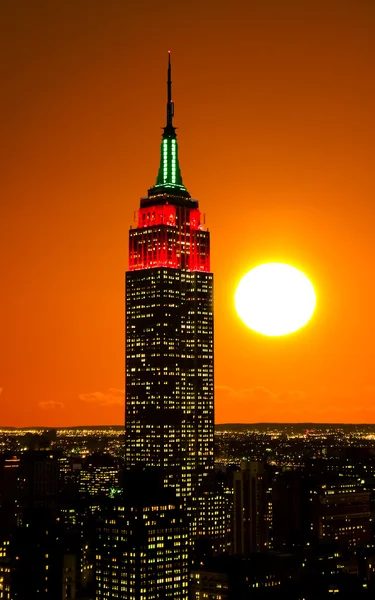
[[276, 135]]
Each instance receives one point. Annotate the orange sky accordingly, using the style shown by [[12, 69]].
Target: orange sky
[[274, 100]]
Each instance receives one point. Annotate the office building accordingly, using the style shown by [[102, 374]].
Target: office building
[[250, 508], [341, 512], [169, 332], [142, 543]]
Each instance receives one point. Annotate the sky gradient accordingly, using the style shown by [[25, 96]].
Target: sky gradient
[[274, 104]]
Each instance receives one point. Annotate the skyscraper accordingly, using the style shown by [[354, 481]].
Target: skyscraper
[[142, 543], [250, 523], [169, 331], [34, 549]]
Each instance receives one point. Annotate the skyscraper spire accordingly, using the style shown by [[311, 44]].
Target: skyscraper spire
[[170, 105], [169, 176]]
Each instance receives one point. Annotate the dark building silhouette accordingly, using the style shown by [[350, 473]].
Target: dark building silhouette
[[315, 574], [250, 508], [169, 332], [290, 506], [9, 515], [35, 544], [10, 482], [40, 441], [259, 575]]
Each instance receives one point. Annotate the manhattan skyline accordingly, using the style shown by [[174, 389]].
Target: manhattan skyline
[[275, 128]]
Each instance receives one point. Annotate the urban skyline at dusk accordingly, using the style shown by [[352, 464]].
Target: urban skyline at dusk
[[186, 379], [276, 128]]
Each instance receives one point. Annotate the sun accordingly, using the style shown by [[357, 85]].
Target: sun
[[275, 299]]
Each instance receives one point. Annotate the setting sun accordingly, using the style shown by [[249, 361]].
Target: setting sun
[[275, 299]]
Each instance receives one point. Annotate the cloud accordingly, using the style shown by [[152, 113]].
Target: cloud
[[259, 394], [259, 404], [51, 405], [113, 397], [231, 392]]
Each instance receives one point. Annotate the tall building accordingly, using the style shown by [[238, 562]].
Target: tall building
[[250, 508], [290, 503], [169, 331], [214, 523], [35, 545], [142, 543]]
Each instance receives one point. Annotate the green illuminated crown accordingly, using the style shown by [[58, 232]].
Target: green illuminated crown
[[169, 175], [169, 171]]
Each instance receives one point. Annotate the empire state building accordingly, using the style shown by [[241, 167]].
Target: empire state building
[[169, 331]]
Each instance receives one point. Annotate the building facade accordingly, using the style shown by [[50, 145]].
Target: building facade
[[341, 512], [250, 508], [214, 523], [169, 332], [142, 544]]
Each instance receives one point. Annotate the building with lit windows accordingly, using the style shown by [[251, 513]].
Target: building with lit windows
[[10, 481], [240, 578], [34, 550], [214, 522], [10, 486], [142, 544], [5, 571], [99, 474], [341, 512], [169, 332]]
